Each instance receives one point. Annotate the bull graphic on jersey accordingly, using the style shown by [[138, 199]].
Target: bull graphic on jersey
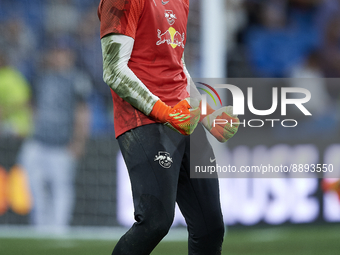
[[170, 17], [164, 159], [171, 37]]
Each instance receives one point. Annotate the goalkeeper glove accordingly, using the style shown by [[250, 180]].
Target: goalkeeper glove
[[181, 118], [222, 124]]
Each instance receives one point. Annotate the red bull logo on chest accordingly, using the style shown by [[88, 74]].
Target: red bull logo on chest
[[171, 37]]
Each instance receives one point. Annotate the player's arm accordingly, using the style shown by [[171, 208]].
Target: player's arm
[[116, 50], [222, 130], [81, 129], [118, 76]]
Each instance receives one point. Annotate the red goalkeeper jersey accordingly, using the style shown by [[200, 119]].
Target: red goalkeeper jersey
[[159, 30]]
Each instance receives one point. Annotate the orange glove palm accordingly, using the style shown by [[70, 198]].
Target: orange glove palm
[[219, 122]]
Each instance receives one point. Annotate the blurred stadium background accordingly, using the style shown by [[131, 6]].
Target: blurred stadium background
[[260, 39]]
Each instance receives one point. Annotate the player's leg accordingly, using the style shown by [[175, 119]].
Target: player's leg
[[31, 158], [62, 167], [199, 199], [153, 155]]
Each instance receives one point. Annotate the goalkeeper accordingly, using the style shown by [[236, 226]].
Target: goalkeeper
[[143, 44]]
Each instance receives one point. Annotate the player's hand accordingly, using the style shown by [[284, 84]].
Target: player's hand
[[181, 118], [219, 122]]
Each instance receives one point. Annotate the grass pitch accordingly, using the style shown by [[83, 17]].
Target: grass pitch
[[301, 240]]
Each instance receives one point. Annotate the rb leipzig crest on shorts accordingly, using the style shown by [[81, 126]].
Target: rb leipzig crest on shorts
[[164, 159]]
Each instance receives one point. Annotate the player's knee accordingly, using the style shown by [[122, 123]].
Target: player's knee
[[207, 240], [160, 227], [214, 229], [218, 233], [210, 244], [152, 215], [217, 227]]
